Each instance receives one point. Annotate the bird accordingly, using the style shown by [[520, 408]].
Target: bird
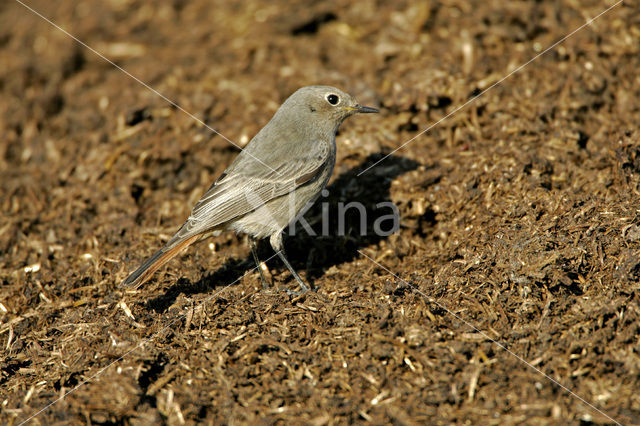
[[282, 169]]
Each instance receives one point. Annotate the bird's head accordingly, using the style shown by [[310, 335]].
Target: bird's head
[[323, 106]]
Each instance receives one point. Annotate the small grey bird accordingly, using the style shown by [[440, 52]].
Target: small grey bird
[[284, 167]]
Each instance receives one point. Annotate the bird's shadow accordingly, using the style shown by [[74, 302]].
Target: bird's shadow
[[354, 212]]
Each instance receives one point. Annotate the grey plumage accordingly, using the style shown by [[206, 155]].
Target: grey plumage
[[284, 167]]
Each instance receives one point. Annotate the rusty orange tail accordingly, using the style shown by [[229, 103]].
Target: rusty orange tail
[[151, 265]]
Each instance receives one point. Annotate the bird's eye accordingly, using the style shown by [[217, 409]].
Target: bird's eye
[[333, 99]]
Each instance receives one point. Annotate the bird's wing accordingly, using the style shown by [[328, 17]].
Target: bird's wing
[[247, 185]]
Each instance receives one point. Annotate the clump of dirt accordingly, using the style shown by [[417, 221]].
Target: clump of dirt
[[519, 217]]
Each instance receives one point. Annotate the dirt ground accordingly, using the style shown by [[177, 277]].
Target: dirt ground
[[513, 292]]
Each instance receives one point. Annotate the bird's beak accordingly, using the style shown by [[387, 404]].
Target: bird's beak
[[362, 109]]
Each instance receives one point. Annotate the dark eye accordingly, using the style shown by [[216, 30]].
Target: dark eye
[[333, 99]]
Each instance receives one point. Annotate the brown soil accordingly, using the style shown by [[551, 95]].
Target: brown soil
[[520, 215]]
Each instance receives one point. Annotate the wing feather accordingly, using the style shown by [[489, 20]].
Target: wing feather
[[241, 190]]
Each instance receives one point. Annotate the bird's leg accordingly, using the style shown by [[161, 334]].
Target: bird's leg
[[303, 287], [276, 243], [252, 244]]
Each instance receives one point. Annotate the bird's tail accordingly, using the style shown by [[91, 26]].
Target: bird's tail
[[151, 265]]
